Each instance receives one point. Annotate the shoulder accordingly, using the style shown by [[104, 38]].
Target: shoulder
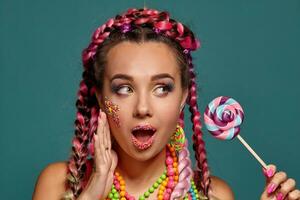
[[220, 189], [51, 181]]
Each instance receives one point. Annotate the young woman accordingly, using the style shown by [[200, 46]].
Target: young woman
[[129, 142]]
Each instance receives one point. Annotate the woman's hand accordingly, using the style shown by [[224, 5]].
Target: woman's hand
[[279, 186], [105, 161]]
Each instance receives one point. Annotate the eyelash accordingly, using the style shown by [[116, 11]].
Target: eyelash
[[166, 87]]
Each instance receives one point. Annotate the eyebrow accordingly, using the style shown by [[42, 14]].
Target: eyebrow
[[153, 78]]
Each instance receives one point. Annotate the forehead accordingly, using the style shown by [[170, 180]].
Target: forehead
[[141, 59]]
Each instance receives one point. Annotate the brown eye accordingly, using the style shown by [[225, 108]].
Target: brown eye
[[164, 89], [121, 90], [124, 90]]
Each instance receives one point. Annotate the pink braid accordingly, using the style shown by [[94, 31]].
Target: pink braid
[[185, 173], [76, 164], [202, 177]]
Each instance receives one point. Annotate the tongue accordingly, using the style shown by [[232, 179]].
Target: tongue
[[143, 136]]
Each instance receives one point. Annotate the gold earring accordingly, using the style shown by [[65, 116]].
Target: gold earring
[[177, 140]]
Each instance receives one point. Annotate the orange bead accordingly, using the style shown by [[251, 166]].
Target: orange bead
[[176, 178], [122, 187], [117, 174], [160, 197], [175, 164], [122, 182], [122, 193], [123, 198]]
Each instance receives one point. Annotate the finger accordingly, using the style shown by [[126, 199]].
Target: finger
[[269, 171], [107, 130], [105, 141], [276, 180], [99, 143], [286, 187], [97, 156], [294, 195], [114, 161]]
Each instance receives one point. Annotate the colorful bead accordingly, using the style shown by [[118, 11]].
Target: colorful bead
[[165, 183]]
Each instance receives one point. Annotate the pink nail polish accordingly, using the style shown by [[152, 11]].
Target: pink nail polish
[[279, 196], [271, 188], [270, 172]]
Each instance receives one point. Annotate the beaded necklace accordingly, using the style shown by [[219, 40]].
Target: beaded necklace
[[165, 183]]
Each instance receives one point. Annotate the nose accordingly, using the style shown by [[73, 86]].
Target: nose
[[142, 108]]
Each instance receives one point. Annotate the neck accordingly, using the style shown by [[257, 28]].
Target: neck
[[140, 174]]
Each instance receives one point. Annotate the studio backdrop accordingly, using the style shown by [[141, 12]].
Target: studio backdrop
[[250, 50]]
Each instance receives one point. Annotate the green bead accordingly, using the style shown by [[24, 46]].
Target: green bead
[[114, 191], [163, 176], [151, 190], [142, 197], [116, 195], [110, 195], [159, 181], [147, 194], [155, 185]]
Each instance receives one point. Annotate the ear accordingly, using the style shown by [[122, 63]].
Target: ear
[[183, 100]]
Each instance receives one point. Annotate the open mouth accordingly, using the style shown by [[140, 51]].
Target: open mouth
[[143, 137]]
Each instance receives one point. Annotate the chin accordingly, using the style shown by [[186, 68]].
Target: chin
[[145, 155]]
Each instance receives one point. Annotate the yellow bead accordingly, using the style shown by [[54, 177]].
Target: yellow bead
[[160, 197], [123, 198]]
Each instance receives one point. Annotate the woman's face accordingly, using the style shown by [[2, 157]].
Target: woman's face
[[143, 81]]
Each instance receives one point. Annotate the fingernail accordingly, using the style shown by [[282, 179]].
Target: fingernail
[[270, 172], [271, 188], [279, 196]]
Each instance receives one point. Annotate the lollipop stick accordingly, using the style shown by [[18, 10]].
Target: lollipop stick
[[252, 151]]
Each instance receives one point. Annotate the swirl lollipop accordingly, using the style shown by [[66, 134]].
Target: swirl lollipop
[[223, 117]]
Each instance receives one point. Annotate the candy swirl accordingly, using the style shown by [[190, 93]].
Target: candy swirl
[[223, 117]]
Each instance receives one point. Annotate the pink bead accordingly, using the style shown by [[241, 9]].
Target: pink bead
[[117, 186], [166, 196], [169, 190], [171, 184], [170, 173], [169, 160]]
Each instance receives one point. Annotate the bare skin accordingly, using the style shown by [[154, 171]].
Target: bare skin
[[142, 97]]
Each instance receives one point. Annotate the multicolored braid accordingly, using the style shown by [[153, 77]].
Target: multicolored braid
[[166, 30], [202, 175]]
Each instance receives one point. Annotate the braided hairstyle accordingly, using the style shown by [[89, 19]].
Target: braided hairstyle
[[135, 25]]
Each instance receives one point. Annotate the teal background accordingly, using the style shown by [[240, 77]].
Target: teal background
[[250, 51]]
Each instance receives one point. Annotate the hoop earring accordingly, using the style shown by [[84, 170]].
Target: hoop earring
[[177, 140]]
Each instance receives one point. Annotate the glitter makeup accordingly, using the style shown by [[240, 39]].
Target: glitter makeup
[[112, 109]]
